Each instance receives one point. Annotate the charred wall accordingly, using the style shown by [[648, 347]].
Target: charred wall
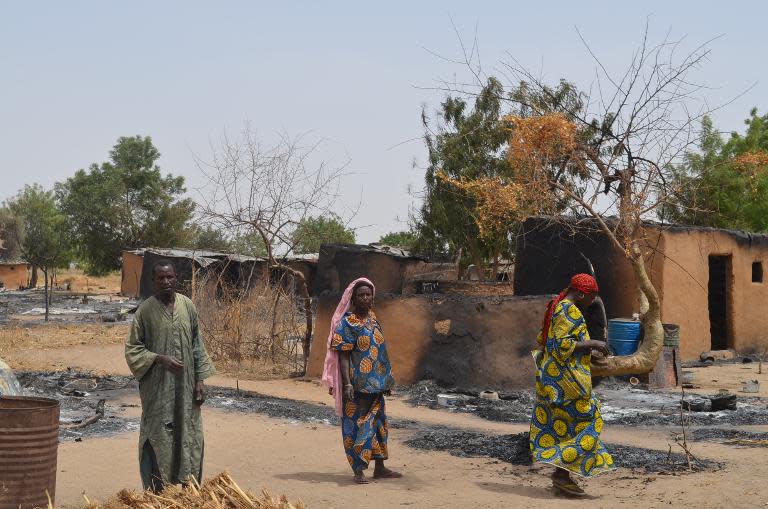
[[456, 340], [549, 253], [130, 279], [340, 264]]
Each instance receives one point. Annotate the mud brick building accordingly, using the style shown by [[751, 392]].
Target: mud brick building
[[710, 281]]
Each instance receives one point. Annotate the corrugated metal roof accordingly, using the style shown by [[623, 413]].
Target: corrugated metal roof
[[243, 258], [308, 257], [377, 248], [218, 255], [13, 262]]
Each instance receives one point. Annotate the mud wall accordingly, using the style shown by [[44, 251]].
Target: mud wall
[[131, 274], [14, 276], [686, 278], [456, 340]]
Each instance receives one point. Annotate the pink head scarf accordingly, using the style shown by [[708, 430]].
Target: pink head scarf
[[332, 368]]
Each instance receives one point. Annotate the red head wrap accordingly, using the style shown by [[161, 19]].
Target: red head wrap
[[584, 283]]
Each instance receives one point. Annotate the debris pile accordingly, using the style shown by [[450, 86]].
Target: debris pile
[[509, 407], [82, 396], [719, 402], [67, 307], [220, 492], [621, 404]]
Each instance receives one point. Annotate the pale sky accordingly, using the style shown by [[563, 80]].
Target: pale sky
[[76, 75]]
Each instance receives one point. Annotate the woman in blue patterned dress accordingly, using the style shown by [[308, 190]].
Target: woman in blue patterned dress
[[566, 421], [367, 376]]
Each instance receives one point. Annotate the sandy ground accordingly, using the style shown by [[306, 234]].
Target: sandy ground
[[306, 461], [729, 376]]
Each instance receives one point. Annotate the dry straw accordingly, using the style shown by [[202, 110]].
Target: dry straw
[[220, 492], [264, 323]]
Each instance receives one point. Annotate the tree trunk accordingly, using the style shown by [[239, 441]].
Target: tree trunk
[[33, 277], [45, 274], [644, 360], [51, 286]]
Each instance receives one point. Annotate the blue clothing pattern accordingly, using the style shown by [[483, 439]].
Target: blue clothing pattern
[[364, 426], [370, 370]]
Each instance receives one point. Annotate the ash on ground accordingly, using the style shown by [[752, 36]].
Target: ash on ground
[[78, 394], [296, 411], [622, 404], [514, 449], [253, 402], [730, 436], [66, 307]]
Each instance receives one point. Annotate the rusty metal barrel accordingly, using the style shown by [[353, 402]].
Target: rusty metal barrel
[[29, 441]]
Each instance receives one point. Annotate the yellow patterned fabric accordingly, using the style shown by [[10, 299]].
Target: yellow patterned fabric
[[566, 421]]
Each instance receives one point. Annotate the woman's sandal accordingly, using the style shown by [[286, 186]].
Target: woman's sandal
[[568, 487]]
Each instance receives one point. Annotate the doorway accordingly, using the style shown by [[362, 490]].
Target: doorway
[[719, 309]]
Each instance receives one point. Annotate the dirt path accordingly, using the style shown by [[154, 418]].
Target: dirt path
[[306, 461]]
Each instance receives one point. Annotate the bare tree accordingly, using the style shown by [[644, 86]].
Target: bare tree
[[608, 157], [268, 191]]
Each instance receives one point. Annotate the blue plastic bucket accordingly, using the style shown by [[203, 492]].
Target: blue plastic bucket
[[623, 336]]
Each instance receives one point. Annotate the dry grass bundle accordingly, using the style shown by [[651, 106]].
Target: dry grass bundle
[[259, 331], [220, 492]]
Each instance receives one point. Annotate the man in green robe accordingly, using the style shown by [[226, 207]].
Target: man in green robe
[[167, 356]]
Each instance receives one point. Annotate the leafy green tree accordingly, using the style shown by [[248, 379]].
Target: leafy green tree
[[311, 232], [465, 144], [469, 143], [403, 240], [124, 203], [45, 243], [725, 183], [10, 229], [207, 238]]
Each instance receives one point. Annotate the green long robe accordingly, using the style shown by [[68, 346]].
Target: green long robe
[[170, 418]]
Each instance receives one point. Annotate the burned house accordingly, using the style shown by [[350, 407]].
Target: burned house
[[708, 279], [466, 333], [394, 270], [193, 266], [130, 273]]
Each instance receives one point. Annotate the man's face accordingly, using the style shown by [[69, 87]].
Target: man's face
[[165, 280], [363, 298]]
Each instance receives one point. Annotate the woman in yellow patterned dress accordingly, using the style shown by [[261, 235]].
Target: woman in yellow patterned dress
[[566, 422]]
